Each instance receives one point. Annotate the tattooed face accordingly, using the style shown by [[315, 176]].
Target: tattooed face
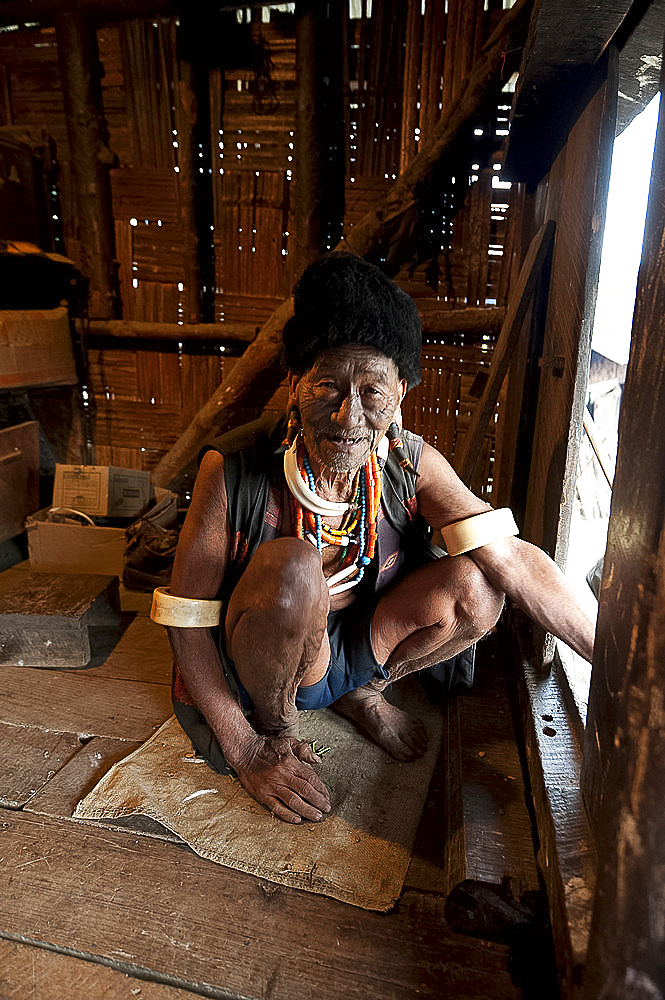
[[347, 400]]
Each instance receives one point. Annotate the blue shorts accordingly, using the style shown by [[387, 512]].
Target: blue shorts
[[352, 660]]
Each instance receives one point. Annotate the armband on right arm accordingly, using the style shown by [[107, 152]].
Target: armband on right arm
[[184, 612]]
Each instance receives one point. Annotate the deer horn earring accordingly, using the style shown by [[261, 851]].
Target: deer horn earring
[[293, 425]]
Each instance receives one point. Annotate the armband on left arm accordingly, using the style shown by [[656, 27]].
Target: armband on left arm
[[481, 529]]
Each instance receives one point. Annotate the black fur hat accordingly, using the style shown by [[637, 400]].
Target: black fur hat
[[343, 299]]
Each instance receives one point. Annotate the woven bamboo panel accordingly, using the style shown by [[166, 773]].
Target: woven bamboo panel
[[406, 61], [145, 193], [252, 162], [442, 43]]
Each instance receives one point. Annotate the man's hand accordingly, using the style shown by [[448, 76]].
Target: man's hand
[[277, 772]]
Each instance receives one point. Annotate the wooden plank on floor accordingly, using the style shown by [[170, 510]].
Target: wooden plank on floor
[[143, 653], [79, 776], [81, 702], [498, 847], [478, 787], [29, 757], [31, 973], [151, 907], [427, 868]]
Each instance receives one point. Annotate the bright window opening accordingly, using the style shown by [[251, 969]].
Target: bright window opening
[[610, 347]]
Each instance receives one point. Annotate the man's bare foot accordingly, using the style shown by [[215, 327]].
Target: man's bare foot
[[395, 731]]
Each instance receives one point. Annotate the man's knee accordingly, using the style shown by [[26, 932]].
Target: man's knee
[[284, 575]]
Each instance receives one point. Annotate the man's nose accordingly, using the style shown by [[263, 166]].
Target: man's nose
[[349, 410]]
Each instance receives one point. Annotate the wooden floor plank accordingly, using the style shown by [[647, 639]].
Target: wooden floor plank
[[165, 911], [499, 840], [31, 973], [142, 653], [29, 757], [82, 702], [79, 776]]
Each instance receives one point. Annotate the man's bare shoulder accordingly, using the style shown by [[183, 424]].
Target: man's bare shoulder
[[442, 496], [209, 493]]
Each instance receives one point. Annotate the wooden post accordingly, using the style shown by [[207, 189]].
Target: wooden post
[[320, 145], [623, 775], [90, 158], [186, 116], [308, 140], [576, 192]]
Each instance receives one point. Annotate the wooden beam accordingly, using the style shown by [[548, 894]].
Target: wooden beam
[[436, 323], [518, 304], [262, 356], [90, 158], [566, 41], [624, 754], [445, 322], [127, 331]]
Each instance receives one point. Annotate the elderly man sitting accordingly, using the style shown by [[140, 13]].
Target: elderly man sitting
[[301, 580]]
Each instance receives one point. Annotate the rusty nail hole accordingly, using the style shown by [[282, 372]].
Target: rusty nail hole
[[549, 731], [547, 717]]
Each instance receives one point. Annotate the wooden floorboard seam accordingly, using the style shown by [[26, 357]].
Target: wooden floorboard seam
[[138, 972]]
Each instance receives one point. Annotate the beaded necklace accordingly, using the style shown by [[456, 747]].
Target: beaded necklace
[[358, 527]]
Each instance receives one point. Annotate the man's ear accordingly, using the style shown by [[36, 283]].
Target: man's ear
[[397, 416]]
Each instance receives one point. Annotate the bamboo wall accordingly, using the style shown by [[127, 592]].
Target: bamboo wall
[[405, 61]]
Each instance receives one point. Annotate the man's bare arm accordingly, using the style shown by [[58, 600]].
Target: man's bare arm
[[276, 772], [536, 585], [525, 573]]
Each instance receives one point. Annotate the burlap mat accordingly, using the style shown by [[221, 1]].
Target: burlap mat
[[359, 854]]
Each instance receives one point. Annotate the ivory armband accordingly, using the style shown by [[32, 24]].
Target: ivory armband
[[183, 612], [481, 529]]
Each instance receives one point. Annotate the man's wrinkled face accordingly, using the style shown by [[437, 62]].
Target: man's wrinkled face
[[347, 401]]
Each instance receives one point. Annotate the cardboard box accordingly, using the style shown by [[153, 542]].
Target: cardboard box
[[101, 490], [73, 548], [35, 348], [76, 547]]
